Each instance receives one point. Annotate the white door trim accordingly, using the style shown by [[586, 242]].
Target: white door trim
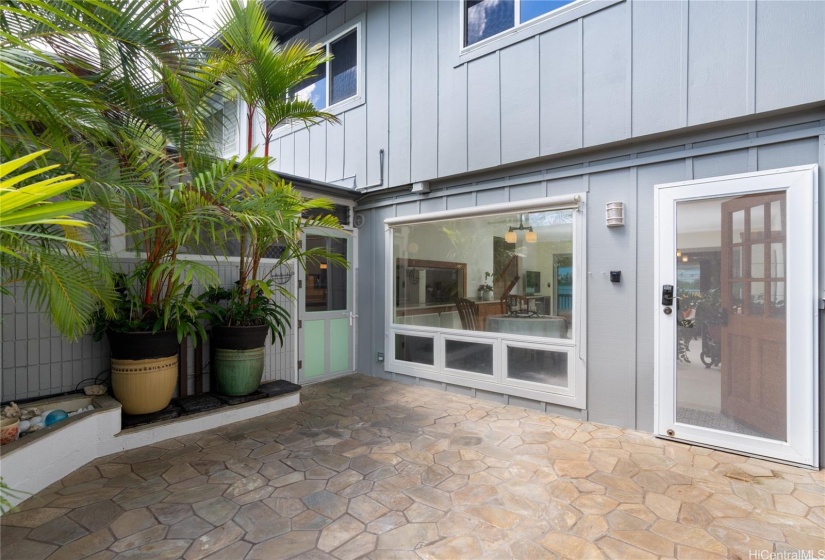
[[801, 186]]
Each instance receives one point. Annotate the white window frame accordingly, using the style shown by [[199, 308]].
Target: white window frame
[[345, 104], [522, 31], [575, 394]]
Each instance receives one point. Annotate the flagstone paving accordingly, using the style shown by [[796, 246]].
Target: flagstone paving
[[365, 467]]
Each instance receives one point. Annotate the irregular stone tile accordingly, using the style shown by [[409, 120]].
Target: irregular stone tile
[[357, 547], [285, 546], [190, 528], [145, 500], [179, 473], [260, 522], [309, 521], [286, 507], [387, 522], [646, 541], [161, 550], [84, 546], [169, 514], [27, 550], [690, 536], [694, 515], [570, 546], [326, 503], [111, 470], [131, 522], [141, 538], [494, 515], [214, 540], [789, 504], [343, 480], [299, 489], [590, 527], [455, 547], [339, 532], [617, 549], [196, 494], [408, 537], [365, 509], [474, 494], [596, 504], [663, 506], [150, 469], [81, 475], [738, 540], [97, 516], [207, 467], [59, 531], [430, 496], [359, 488], [419, 513], [85, 498]]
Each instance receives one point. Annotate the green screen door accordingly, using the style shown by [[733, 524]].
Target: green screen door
[[326, 314]]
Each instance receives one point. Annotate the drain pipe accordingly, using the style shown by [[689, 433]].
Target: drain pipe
[[380, 184]]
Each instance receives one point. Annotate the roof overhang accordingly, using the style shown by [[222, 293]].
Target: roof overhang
[[290, 17]]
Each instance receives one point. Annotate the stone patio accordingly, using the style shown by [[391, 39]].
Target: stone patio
[[373, 468]]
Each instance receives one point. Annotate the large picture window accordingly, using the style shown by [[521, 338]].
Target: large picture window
[[486, 18], [492, 298]]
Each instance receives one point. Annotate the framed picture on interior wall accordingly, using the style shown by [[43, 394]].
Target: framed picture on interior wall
[[532, 282]]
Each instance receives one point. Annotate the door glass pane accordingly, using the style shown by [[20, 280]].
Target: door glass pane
[[757, 223], [344, 67], [416, 349], [538, 366], [326, 288], [758, 260], [776, 216], [730, 369], [738, 228], [469, 356], [777, 260]]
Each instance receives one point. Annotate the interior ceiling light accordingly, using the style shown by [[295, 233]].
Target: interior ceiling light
[[511, 236]]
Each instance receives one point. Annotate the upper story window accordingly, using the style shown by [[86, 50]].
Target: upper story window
[[336, 80], [486, 18]]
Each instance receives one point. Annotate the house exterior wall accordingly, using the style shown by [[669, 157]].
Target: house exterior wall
[[599, 73], [619, 336]]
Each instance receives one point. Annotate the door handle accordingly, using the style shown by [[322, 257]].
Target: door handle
[[352, 316], [667, 294]]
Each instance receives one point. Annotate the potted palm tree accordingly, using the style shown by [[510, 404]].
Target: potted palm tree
[[264, 213], [125, 104]]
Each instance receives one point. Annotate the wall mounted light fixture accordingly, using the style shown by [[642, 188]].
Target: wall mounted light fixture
[[614, 214]]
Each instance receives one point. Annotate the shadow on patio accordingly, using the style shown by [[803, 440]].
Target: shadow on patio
[[377, 468]]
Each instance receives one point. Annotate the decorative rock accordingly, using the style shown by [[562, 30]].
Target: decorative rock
[[29, 413], [93, 390], [55, 416]]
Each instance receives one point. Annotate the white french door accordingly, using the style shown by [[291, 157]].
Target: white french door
[[736, 313]]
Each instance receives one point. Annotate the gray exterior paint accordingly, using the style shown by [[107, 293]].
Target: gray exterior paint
[[601, 73], [611, 99]]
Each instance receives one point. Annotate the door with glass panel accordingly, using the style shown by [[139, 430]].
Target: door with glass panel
[[325, 312], [735, 313]]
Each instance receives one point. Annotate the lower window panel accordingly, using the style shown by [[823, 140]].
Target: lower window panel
[[468, 356], [546, 367], [415, 349]]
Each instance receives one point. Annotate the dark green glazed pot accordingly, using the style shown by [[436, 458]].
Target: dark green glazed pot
[[238, 359]]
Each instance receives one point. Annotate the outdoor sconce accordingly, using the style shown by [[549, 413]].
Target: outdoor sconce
[[614, 214]]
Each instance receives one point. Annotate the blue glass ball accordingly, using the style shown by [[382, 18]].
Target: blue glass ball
[[55, 416]]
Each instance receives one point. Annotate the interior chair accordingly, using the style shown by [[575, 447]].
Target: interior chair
[[506, 293], [468, 312]]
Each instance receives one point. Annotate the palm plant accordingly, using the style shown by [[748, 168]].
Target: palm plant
[[110, 88], [40, 246]]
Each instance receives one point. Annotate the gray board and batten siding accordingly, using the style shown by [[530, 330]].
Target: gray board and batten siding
[[597, 73], [619, 336]]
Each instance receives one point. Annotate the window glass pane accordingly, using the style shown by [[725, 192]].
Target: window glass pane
[[485, 18], [417, 349], [503, 273], [534, 8], [344, 67], [314, 88], [539, 366], [326, 288], [469, 356]]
